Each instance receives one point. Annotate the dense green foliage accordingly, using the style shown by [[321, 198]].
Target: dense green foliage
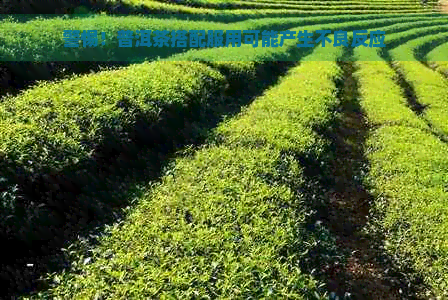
[[408, 173], [438, 59], [111, 101], [42, 39], [104, 111], [237, 7], [234, 218], [216, 225], [429, 86]]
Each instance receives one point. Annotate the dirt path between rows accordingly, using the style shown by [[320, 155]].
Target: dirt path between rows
[[367, 273]]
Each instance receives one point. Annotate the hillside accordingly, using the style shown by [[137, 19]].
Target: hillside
[[224, 172]]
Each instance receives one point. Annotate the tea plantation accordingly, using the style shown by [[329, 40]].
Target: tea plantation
[[224, 172]]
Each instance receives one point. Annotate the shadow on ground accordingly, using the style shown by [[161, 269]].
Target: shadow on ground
[[349, 255], [110, 184]]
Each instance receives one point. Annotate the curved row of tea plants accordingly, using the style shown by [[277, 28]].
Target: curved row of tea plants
[[286, 52], [101, 111], [42, 40], [253, 127], [408, 165], [47, 44], [342, 2], [216, 225], [438, 59], [429, 86], [209, 8], [408, 7], [60, 127], [303, 6], [116, 106], [122, 82]]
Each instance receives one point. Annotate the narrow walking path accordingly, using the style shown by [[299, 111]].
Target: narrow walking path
[[367, 272]]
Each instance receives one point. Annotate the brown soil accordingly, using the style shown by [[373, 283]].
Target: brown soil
[[443, 4], [366, 274]]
